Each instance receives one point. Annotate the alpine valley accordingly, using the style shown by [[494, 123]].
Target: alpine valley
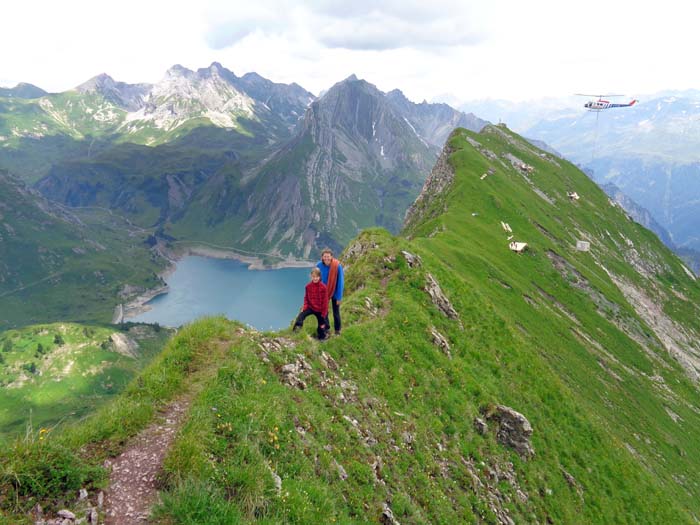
[[206, 158]]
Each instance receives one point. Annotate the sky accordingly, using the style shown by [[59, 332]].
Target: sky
[[453, 50]]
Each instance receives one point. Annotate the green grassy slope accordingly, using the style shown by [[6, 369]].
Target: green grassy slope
[[60, 372], [51, 467], [382, 419]]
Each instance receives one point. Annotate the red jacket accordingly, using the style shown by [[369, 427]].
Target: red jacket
[[315, 298]]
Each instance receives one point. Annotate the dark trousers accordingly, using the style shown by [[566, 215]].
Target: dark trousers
[[336, 316], [321, 332]]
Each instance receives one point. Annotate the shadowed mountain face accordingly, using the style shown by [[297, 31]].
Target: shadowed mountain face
[[433, 122], [638, 213]]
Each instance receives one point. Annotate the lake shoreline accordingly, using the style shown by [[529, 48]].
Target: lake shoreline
[[253, 262], [139, 304]]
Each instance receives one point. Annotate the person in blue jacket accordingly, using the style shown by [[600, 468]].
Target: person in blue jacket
[[332, 277]]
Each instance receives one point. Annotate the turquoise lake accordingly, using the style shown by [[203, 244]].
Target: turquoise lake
[[202, 286]]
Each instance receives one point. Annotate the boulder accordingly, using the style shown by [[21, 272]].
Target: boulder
[[513, 429], [440, 341], [481, 426], [292, 372], [66, 514]]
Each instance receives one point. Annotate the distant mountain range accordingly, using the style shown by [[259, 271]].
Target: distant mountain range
[[238, 161], [22, 90], [103, 109]]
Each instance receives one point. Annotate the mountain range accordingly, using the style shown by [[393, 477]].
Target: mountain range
[[242, 162]]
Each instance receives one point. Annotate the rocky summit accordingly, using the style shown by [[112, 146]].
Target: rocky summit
[[358, 160]]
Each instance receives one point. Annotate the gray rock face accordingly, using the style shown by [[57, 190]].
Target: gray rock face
[[356, 249], [440, 341], [438, 297], [481, 426], [638, 213], [354, 156], [289, 101], [130, 97], [292, 373], [434, 122], [513, 430], [429, 201]]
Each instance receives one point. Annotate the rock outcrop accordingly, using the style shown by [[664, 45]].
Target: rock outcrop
[[512, 429], [428, 204], [438, 297]]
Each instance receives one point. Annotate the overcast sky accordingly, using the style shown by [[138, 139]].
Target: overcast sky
[[467, 49]]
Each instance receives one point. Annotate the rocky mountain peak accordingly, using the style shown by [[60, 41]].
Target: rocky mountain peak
[[253, 77], [216, 70], [352, 105], [126, 96], [397, 95], [97, 83], [178, 71]]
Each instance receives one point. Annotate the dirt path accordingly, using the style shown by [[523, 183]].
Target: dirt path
[[133, 479]]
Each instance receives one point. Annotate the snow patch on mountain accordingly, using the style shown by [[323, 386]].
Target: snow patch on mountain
[[183, 95], [414, 131]]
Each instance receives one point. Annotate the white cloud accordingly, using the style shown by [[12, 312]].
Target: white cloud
[[506, 49], [379, 31]]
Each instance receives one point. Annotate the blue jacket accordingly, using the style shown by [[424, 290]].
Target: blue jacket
[[325, 270]]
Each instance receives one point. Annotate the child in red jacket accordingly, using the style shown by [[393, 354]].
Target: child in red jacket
[[315, 303]]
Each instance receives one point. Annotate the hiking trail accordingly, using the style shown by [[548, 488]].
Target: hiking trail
[[133, 480]]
